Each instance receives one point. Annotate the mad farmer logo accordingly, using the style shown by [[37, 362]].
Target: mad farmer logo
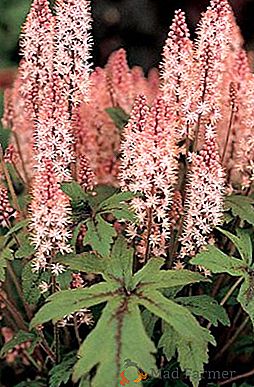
[[141, 375]]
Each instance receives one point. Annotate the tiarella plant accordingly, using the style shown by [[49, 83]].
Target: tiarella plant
[[126, 206]]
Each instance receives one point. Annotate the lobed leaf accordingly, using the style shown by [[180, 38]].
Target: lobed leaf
[[206, 307], [125, 340], [151, 276], [242, 242], [67, 302], [241, 206], [192, 340], [74, 191], [100, 235], [84, 262], [246, 296], [216, 261], [61, 373]]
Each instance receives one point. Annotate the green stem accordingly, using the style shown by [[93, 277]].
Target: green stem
[[231, 291], [32, 361]]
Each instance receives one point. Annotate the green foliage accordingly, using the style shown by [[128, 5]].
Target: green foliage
[[5, 135], [6, 254], [75, 192], [246, 295], [241, 206], [216, 261], [61, 373], [19, 338], [118, 116], [242, 242], [17, 227], [116, 205], [99, 235], [30, 283], [124, 292], [206, 307], [26, 249], [85, 262]]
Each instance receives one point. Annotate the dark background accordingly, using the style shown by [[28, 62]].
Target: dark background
[[138, 25]]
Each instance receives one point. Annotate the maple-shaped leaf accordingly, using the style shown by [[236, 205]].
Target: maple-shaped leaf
[[120, 327]]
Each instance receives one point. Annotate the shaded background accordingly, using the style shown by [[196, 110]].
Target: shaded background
[[140, 26]]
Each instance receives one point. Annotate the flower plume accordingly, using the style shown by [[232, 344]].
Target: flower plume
[[50, 217], [204, 200], [73, 44], [176, 73], [149, 167]]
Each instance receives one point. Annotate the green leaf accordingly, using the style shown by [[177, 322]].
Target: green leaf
[[116, 199], [124, 214], [74, 191], [116, 205], [192, 339], [100, 235], [118, 116], [149, 321], [19, 338], [18, 226], [206, 307], [5, 135], [30, 283], [242, 242], [64, 279], [102, 193], [76, 233], [61, 373], [241, 206], [216, 261], [66, 302], [84, 262], [246, 296], [121, 261], [167, 342], [151, 277], [120, 319], [5, 255], [26, 249]]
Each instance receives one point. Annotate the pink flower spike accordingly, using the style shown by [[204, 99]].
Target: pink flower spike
[[204, 200], [73, 44], [50, 216], [86, 176], [149, 167], [37, 50], [6, 211]]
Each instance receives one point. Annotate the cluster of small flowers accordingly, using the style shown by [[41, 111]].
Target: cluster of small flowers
[[50, 217], [204, 198], [83, 316], [115, 86], [149, 166], [7, 212]]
